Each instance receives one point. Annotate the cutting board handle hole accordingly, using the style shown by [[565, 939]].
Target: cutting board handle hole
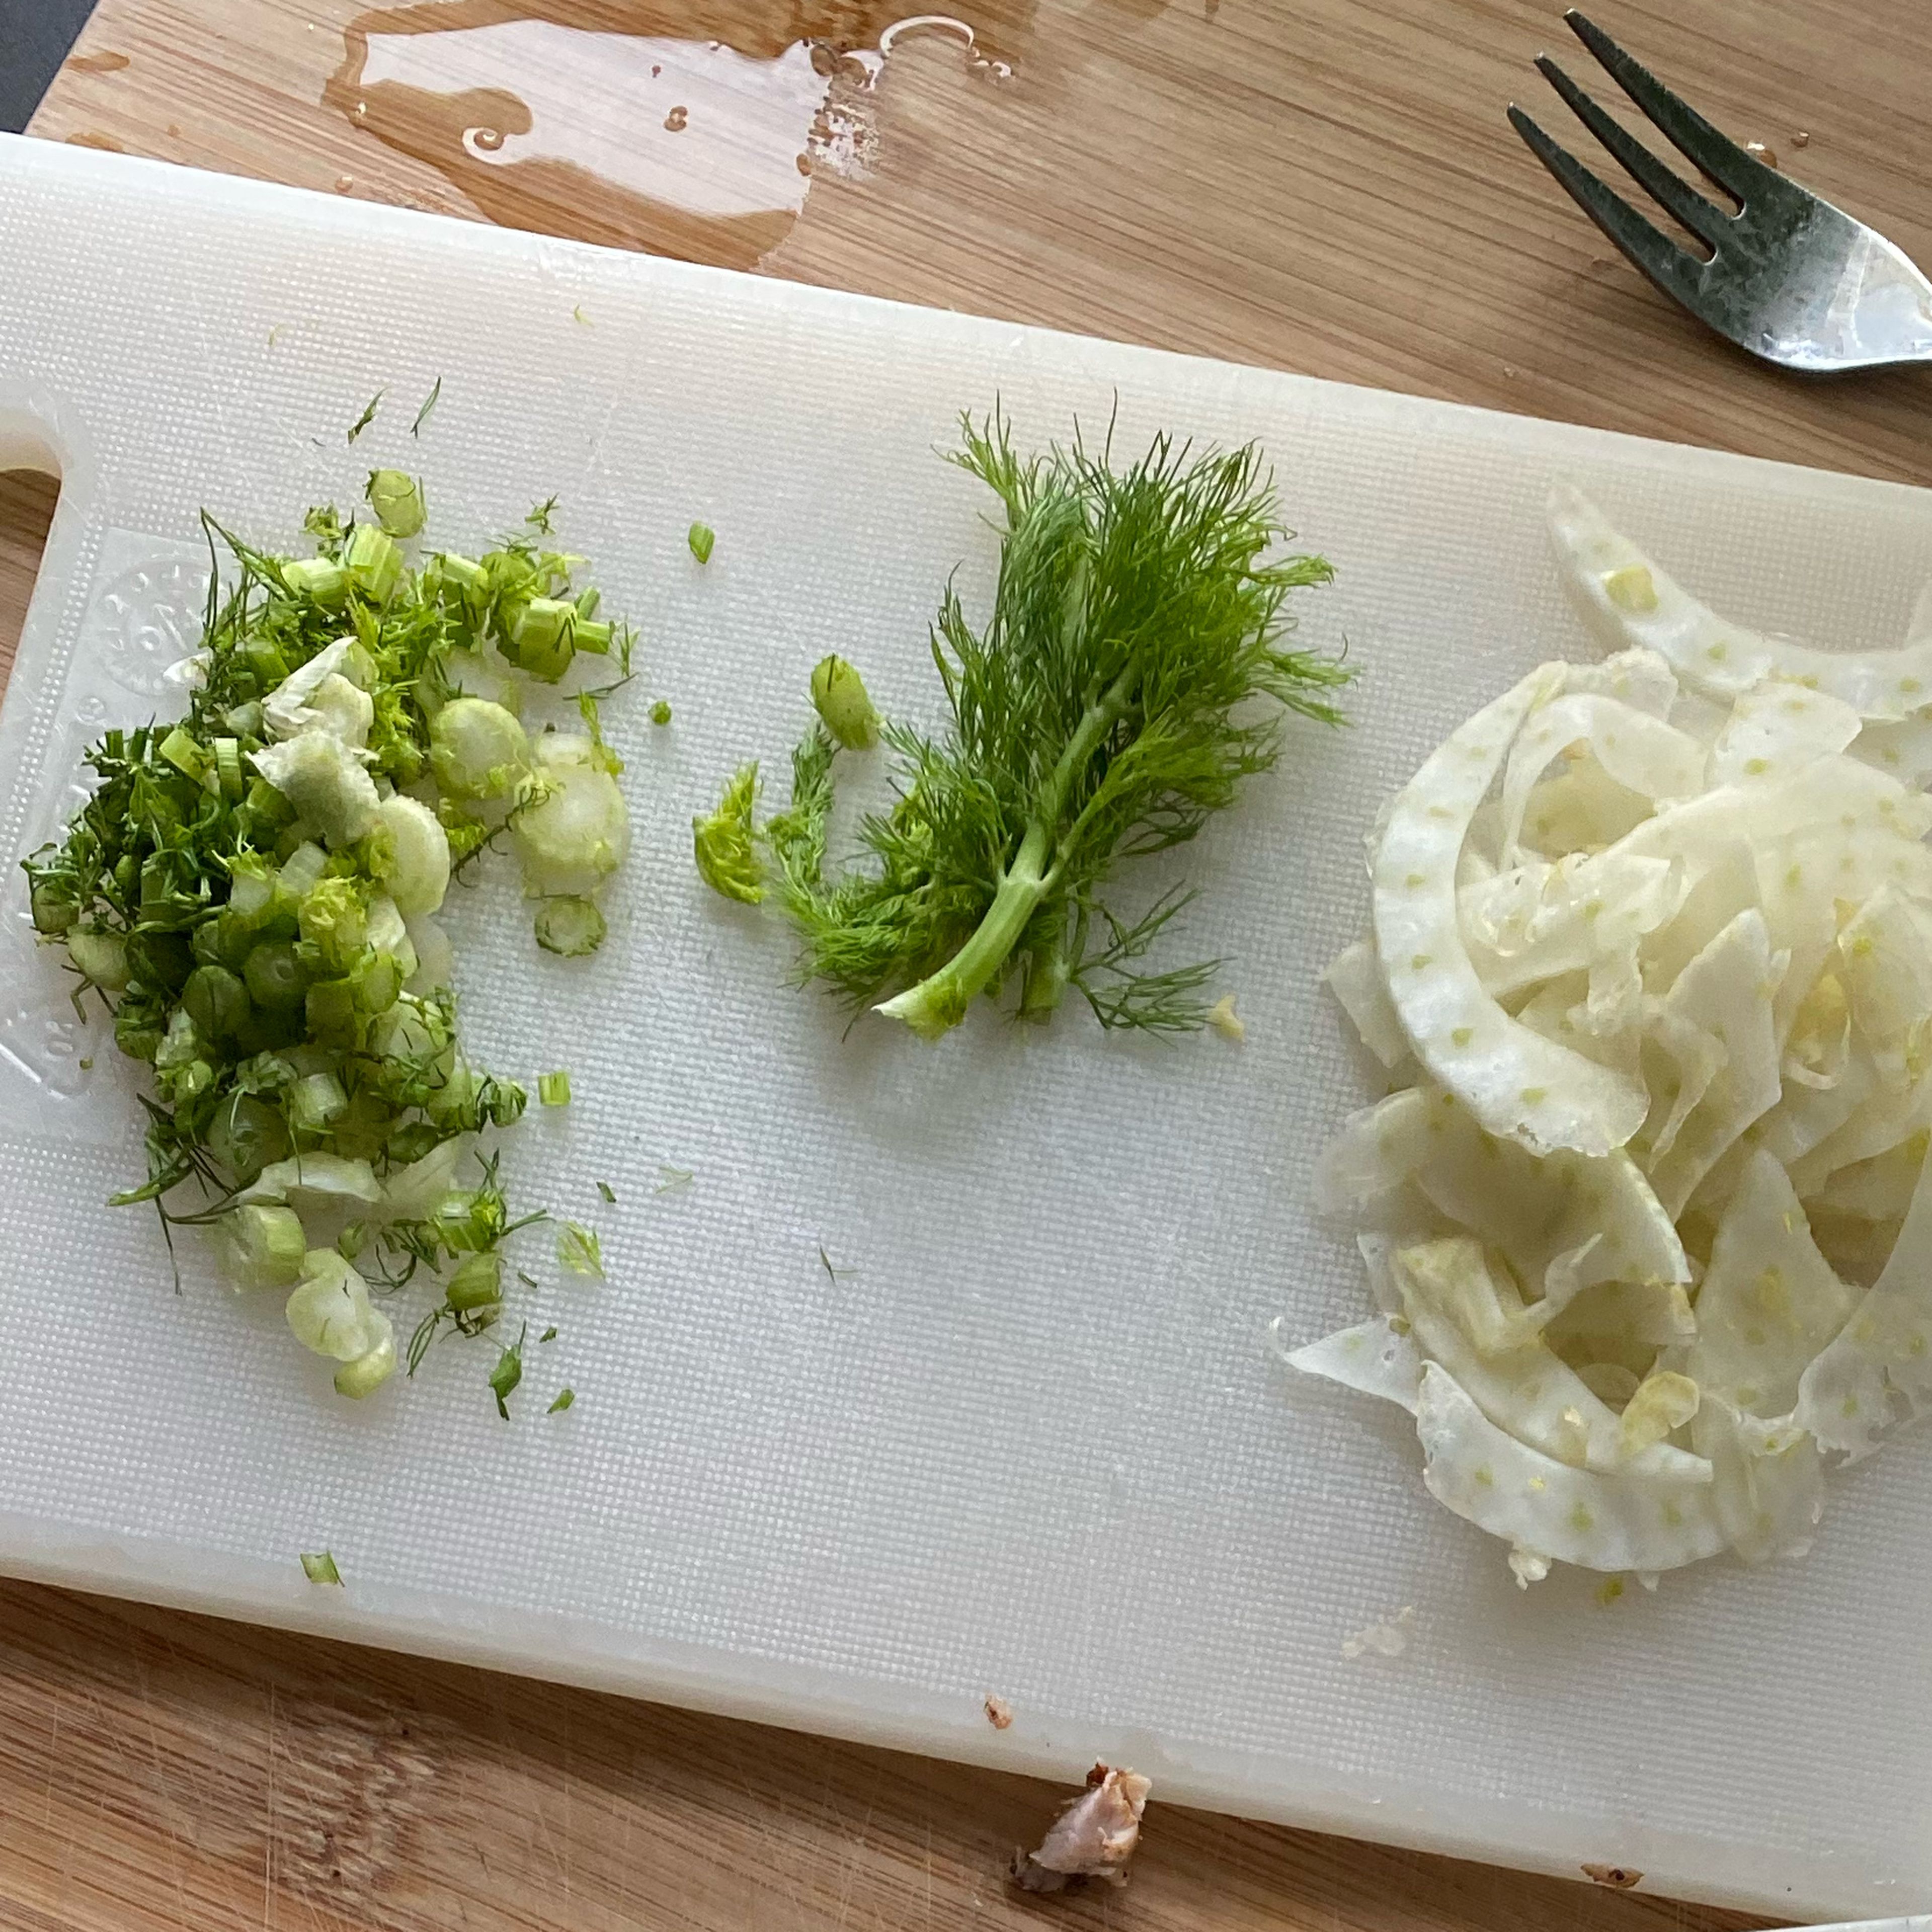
[[28, 498]]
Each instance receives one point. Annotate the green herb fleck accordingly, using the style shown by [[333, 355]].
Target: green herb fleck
[[672, 1178], [701, 537], [507, 1374], [832, 1273], [603, 1189], [320, 1568], [564, 1397], [660, 712], [430, 402], [579, 1251], [549, 1334], [553, 1089], [368, 414]]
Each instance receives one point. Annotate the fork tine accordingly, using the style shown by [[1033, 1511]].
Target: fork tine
[[1717, 154], [1659, 257], [1667, 186]]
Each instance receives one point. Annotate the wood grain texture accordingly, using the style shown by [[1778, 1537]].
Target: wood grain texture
[[1319, 185], [27, 502]]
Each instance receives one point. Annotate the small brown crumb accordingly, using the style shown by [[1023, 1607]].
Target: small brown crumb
[[1093, 1836], [1759, 152], [999, 1712], [1801, 139], [1618, 1878], [676, 118]]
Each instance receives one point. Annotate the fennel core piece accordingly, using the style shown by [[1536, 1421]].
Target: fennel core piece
[[1106, 709]]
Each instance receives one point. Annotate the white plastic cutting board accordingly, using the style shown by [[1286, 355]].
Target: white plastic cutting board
[[1025, 1436]]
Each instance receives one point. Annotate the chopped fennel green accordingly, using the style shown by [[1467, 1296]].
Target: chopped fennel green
[[397, 498], [579, 1251], [553, 1089], [506, 1375], [839, 697], [1133, 670], [570, 926], [660, 712], [251, 890], [430, 402], [603, 1189], [548, 1335], [701, 537], [368, 414], [564, 1397], [319, 1567], [724, 844]]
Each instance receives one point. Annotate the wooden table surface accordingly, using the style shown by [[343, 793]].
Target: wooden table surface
[[1321, 185]]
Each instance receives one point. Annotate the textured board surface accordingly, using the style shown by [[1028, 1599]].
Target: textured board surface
[[1027, 1438]]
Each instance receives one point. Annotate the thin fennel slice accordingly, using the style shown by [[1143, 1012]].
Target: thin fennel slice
[[1516, 1082], [1880, 1364], [1724, 995], [1639, 752], [1635, 604], [1769, 1301], [1517, 1381], [1564, 1223], [1587, 912], [1374, 1358], [1778, 729], [1627, 1521], [1902, 747], [1768, 1481], [1356, 980]]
